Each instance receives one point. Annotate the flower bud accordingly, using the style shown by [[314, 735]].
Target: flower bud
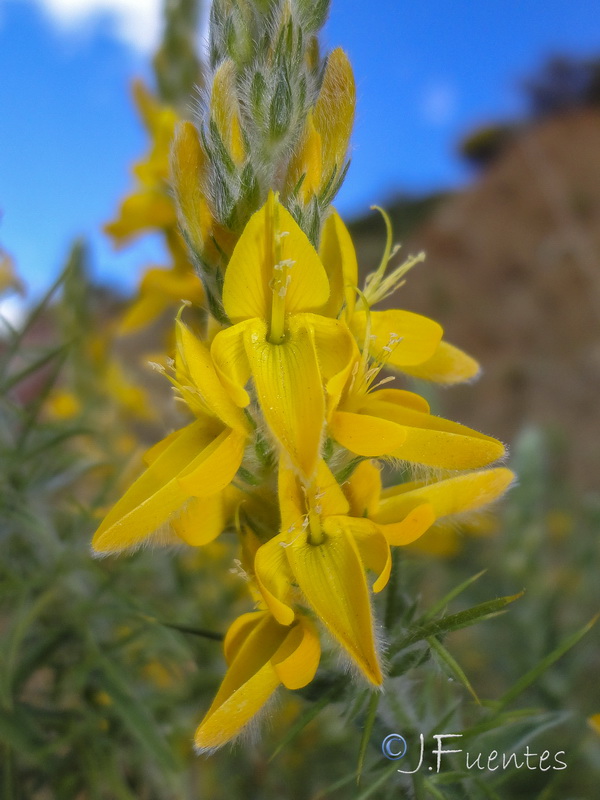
[[225, 112], [312, 14], [280, 110], [334, 111], [188, 169], [306, 167]]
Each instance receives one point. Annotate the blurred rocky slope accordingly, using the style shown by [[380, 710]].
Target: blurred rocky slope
[[513, 274]]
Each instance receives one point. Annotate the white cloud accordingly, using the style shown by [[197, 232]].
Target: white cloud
[[13, 309], [439, 103], [138, 23]]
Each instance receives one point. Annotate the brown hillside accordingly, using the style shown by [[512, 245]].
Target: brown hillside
[[513, 273]]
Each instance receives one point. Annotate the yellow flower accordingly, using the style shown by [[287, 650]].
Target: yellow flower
[[324, 553], [161, 288], [403, 513], [225, 112], [320, 155], [394, 422], [261, 655], [63, 404], [189, 178], [198, 461], [150, 206], [273, 281], [594, 723], [9, 280], [398, 424], [418, 348]]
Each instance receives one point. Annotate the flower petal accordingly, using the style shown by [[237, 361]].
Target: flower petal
[[337, 253], [247, 289], [363, 489], [152, 453], [201, 520], [336, 352], [448, 365], [289, 389], [229, 357], [201, 369], [365, 434], [297, 659], [292, 505], [331, 576], [328, 493], [417, 337], [411, 527], [435, 441], [144, 309], [449, 496], [274, 578], [216, 466], [248, 684], [373, 548], [142, 211], [155, 495], [238, 632], [402, 398]]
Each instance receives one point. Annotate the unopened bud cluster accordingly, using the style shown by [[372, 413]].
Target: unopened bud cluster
[[275, 116]]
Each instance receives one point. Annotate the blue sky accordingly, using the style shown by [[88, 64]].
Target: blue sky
[[427, 72]]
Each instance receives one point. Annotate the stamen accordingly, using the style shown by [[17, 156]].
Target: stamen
[[238, 570], [281, 279], [383, 381], [354, 373], [377, 285]]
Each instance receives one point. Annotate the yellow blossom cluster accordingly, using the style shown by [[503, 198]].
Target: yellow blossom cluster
[[291, 423], [150, 208], [285, 399]]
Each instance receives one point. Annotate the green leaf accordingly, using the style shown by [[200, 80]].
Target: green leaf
[[375, 786], [25, 615], [432, 789], [134, 715], [454, 622], [18, 732], [203, 632], [409, 661], [533, 674], [301, 723], [486, 788], [453, 667], [501, 720], [367, 731], [447, 598], [15, 344]]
